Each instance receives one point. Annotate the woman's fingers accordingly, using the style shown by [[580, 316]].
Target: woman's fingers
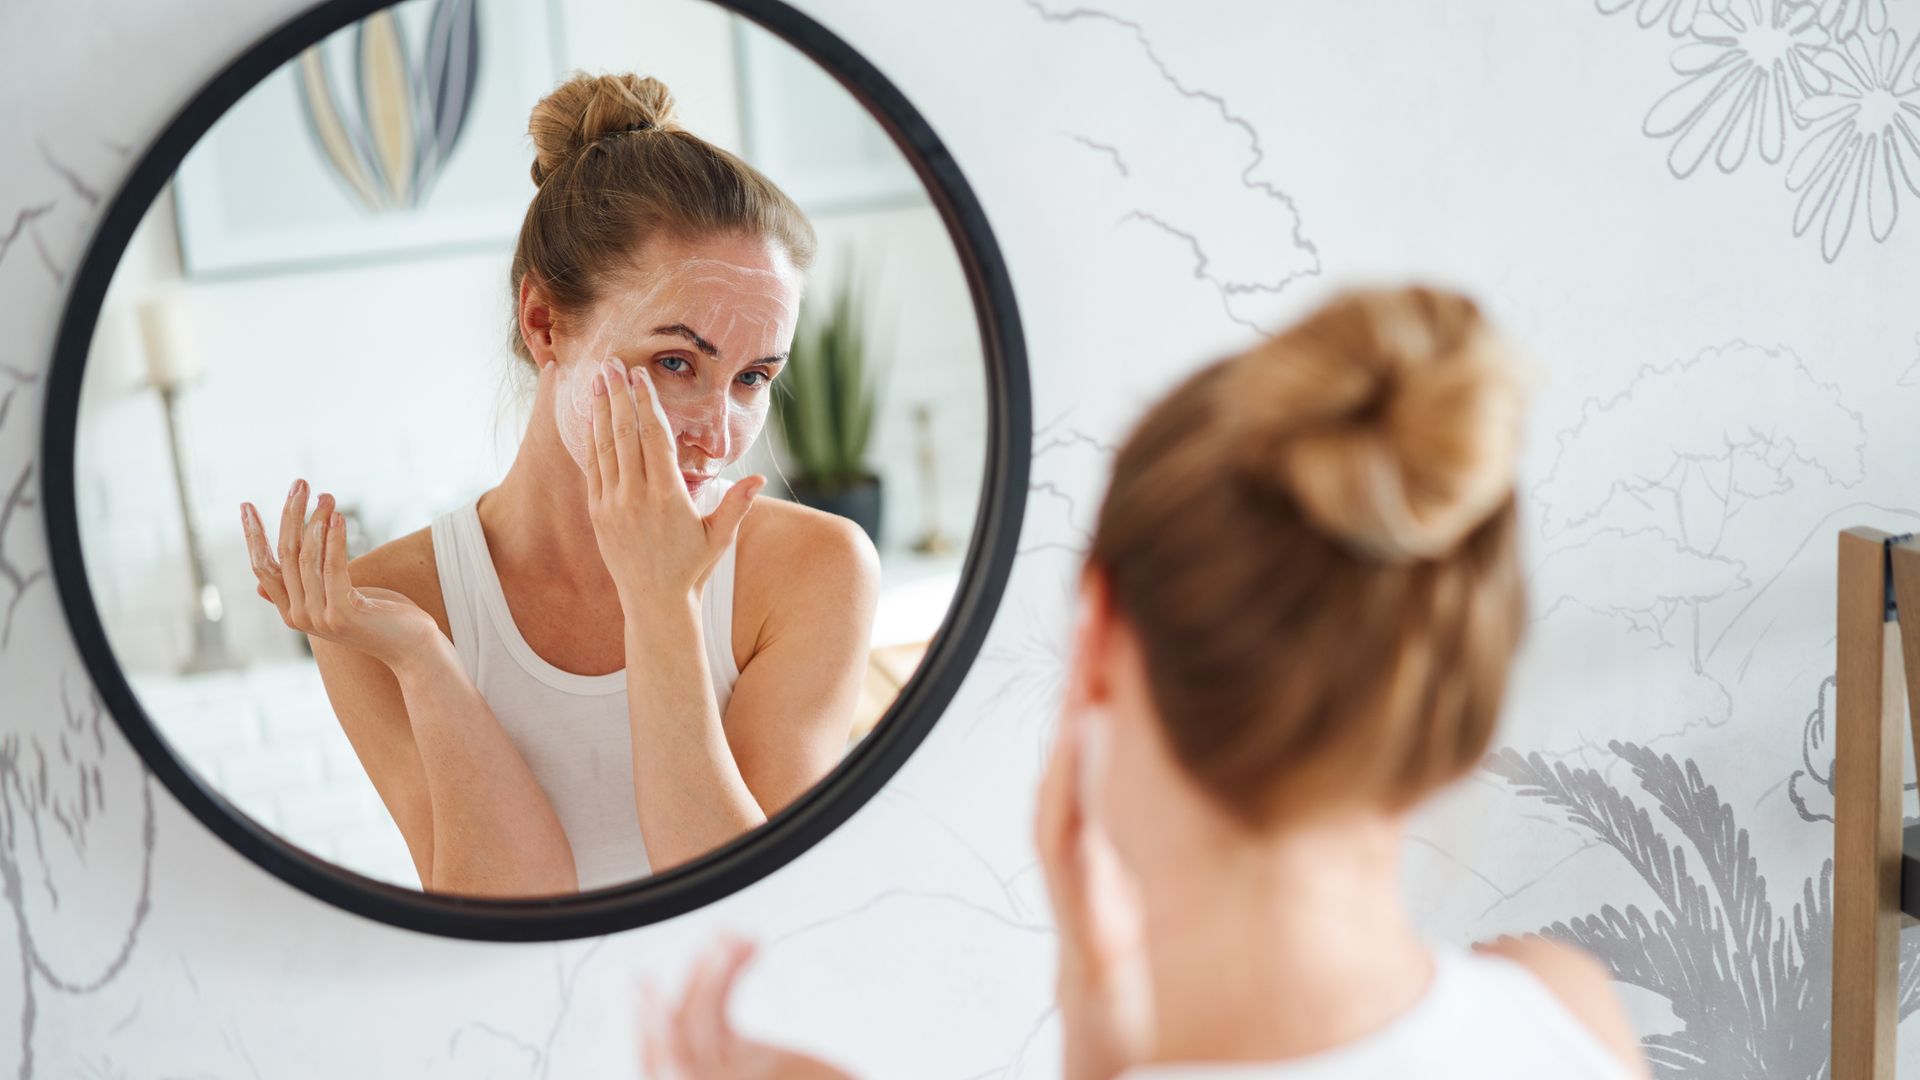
[[309, 576], [658, 1052], [626, 424], [656, 432], [292, 518], [266, 570], [1055, 803], [711, 1034], [1056, 814], [693, 1022], [606, 465], [334, 580], [596, 423], [734, 959], [723, 525], [313, 551]]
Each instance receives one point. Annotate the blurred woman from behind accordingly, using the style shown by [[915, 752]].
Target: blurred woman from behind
[[1295, 624]]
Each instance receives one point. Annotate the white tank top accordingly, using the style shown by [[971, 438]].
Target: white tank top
[[1482, 1018], [572, 729]]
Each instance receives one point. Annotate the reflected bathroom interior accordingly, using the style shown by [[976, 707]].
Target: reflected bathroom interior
[[239, 340]]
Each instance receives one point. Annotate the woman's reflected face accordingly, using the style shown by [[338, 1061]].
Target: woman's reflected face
[[711, 322]]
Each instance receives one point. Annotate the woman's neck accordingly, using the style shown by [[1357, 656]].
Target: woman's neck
[[1284, 949], [536, 517]]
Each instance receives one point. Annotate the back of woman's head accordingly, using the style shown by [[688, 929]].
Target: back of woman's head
[[1314, 542], [614, 168]]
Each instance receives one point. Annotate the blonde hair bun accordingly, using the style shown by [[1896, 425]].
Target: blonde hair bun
[[587, 108], [1390, 417]]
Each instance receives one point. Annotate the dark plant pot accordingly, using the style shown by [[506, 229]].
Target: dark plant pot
[[858, 502]]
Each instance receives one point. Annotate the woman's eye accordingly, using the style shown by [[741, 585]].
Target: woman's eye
[[761, 375], [674, 360]]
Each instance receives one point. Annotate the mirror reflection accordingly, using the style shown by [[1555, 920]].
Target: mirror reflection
[[527, 445]]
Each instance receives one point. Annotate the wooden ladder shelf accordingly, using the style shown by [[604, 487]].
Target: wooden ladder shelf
[[1876, 875]]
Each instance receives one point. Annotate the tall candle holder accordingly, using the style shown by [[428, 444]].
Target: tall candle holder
[[933, 539], [172, 364]]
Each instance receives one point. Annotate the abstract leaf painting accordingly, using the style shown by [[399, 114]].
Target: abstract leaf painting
[[381, 140], [411, 109]]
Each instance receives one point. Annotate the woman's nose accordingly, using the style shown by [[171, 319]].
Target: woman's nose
[[704, 429]]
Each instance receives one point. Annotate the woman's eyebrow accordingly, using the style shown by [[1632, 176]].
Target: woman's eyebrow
[[685, 331], [682, 330]]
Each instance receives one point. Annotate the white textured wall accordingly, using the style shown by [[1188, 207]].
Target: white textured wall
[[1721, 396]]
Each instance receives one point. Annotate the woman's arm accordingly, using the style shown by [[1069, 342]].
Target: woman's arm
[[700, 780], [474, 818], [688, 791]]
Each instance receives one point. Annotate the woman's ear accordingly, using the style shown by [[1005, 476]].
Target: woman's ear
[[1088, 680], [536, 322]]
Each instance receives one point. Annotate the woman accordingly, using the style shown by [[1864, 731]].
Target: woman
[[1296, 619], [604, 664]]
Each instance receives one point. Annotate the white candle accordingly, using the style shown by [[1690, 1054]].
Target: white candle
[[173, 356]]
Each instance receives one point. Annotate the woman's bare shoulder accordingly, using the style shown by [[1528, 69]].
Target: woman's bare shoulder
[[1581, 983], [788, 547], [802, 564], [406, 565]]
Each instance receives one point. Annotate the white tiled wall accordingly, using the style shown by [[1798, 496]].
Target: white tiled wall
[[267, 740]]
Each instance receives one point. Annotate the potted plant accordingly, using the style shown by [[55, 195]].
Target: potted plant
[[823, 408]]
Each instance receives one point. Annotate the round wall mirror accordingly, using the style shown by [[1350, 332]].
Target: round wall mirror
[[522, 470]]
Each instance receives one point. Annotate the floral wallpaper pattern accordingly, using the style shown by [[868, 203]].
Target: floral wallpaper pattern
[[1825, 86]]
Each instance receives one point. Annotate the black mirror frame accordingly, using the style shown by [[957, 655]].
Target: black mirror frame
[[746, 859]]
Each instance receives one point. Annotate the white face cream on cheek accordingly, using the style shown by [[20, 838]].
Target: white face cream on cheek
[[573, 406], [744, 313], [721, 429]]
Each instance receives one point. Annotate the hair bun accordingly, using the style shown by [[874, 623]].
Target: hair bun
[[1390, 417], [587, 108]]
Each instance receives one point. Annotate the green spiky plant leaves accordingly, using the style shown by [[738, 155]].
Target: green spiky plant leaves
[[825, 412]]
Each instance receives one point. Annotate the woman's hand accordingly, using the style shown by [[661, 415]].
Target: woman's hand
[[1105, 997], [696, 1042], [306, 578], [654, 541]]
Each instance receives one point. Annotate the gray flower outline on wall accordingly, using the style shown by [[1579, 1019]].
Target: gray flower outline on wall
[[1863, 140], [1813, 800], [1679, 15], [1745, 70], [1842, 18], [1821, 84], [1846, 17]]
